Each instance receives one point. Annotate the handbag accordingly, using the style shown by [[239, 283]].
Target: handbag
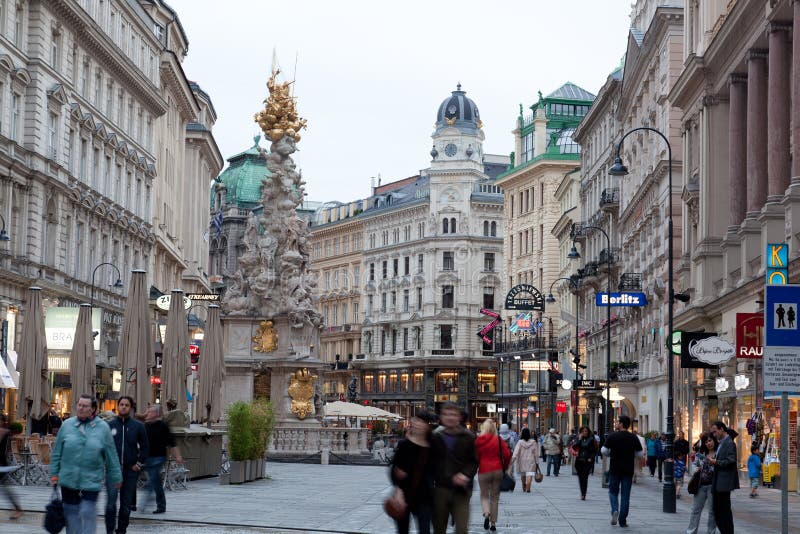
[[538, 477], [507, 483], [694, 483], [54, 520], [395, 508]]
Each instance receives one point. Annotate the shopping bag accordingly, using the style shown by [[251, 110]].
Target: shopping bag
[[54, 520], [507, 483]]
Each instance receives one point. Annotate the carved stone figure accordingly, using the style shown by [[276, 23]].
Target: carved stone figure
[[272, 278]]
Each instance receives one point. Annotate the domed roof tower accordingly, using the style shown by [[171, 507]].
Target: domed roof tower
[[458, 138], [241, 181], [460, 111]]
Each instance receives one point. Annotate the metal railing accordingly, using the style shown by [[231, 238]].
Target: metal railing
[[630, 282], [609, 197]]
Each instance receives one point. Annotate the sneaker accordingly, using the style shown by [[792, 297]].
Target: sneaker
[[614, 516], [623, 524], [493, 528], [159, 511]]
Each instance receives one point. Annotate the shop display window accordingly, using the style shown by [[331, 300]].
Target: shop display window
[[447, 381], [369, 384], [382, 382], [419, 380], [392, 381], [487, 382], [404, 379]]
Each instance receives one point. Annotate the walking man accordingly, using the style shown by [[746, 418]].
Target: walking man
[[161, 440], [130, 439], [453, 451], [726, 477], [554, 448], [623, 448]]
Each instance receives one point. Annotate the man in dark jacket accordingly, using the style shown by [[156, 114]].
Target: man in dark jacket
[[453, 451], [726, 477], [161, 443], [130, 438]]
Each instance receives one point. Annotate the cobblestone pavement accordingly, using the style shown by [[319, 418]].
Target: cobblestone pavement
[[344, 499]]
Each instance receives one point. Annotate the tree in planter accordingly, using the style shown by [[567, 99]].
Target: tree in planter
[[241, 440], [263, 422]]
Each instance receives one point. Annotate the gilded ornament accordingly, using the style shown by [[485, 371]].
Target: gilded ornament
[[279, 117], [450, 122], [301, 390], [266, 339]]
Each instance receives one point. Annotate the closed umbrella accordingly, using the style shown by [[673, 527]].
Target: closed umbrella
[[136, 342], [212, 369], [81, 362], [176, 364], [33, 400]]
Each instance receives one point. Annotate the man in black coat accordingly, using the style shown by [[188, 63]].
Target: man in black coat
[[726, 477], [130, 438]]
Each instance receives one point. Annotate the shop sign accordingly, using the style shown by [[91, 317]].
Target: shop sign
[[626, 299], [522, 323], [561, 407], [164, 300], [534, 366], [589, 385], [524, 297], [704, 350], [491, 407], [482, 333], [782, 339], [777, 264], [749, 335], [209, 297], [60, 324], [57, 363], [116, 380]]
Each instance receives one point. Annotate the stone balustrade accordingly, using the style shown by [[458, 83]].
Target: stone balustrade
[[311, 440]]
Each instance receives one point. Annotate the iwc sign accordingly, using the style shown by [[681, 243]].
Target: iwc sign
[[524, 297]]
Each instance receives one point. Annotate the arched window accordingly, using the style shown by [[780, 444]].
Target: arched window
[[494, 229], [453, 225], [445, 225], [485, 228]]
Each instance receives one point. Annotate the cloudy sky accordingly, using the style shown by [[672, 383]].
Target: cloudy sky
[[370, 75]]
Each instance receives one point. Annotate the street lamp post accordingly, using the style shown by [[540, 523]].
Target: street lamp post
[[118, 283], [577, 359], [574, 255], [618, 169], [3, 233]]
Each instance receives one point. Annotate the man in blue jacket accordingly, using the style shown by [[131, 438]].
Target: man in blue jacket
[[130, 439]]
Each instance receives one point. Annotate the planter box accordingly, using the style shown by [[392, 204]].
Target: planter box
[[238, 472]]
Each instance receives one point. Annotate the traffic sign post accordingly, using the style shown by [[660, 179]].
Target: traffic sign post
[[782, 367]]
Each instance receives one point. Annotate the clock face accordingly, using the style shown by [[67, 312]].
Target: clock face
[[450, 150]]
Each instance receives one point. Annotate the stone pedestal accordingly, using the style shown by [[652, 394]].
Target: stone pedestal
[[731, 259], [750, 247]]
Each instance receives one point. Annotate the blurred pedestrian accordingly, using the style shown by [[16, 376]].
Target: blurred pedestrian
[[623, 448], [652, 456], [494, 458], [640, 463], [160, 440], [584, 449], [83, 451], [509, 436], [526, 458], [5, 445], [554, 448], [130, 439], [707, 444], [455, 466], [412, 474], [726, 477]]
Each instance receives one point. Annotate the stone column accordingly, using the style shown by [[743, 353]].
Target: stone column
[[750, 229], [778, 109], [756, 131], [737, 145]]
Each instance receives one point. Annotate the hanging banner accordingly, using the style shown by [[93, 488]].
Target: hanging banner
[[749, 335], [704, 350]]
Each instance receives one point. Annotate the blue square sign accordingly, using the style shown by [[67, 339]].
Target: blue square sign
[[781, 316]]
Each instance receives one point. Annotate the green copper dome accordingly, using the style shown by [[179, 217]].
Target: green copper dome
[[242, 178]]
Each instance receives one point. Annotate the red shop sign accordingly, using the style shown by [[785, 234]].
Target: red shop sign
[[561, 407], [749, 335]]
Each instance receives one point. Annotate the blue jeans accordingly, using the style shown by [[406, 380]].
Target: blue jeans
[[126, 492], [81, 517], [555, 461], [614, 483], [153, 467]]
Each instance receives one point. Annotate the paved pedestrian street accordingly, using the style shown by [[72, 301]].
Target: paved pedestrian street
[[336, 498]]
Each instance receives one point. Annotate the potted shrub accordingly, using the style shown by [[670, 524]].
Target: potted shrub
[[263, 421], [15, 428], [241, 440]]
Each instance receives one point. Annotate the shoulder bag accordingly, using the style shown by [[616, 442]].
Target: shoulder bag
[[538, 477], [507, 483], [54, 520], [694, 483]]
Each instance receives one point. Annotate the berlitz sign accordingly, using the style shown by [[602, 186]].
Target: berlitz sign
[[620, 299]]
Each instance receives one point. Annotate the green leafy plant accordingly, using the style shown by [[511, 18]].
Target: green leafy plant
[[241, 438], [15, 427], [263, 421], [379, 427]]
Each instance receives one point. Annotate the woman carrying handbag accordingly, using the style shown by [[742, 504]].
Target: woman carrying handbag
[[584, 450], [700, 485], [412, 477], [526, 459]]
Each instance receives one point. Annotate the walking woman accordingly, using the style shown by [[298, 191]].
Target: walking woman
[[493, 459], [652, 456], [701, 462], [5, 437], [412, 476], [584, 450], [526, 458]]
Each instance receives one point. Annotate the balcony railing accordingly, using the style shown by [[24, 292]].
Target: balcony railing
[[524, 344], [606, 253], [630, 282], [624, 371], [609, 198]]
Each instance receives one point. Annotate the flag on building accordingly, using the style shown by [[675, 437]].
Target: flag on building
[[217, 222]]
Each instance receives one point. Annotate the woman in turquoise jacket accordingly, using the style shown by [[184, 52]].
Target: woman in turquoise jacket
[[83, 451]]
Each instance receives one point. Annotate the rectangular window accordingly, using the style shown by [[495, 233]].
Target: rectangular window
[[109, 97], [394, 300], [541, 237], [419, 263], [383, 302], [327, 280], [372, 271], [355, 313], [419, 298], [54, 51], [488, 261], [52, 136], [394, 340], [356, 275], [488, 297], [385, 269], [447, 297], [383, 341], [370, 303], [79, 251], [16, 116], [445, 336], [418, 380], [527, 241], [406, 265], [395, 267], [98, 89], [345, 282], [405, 347], [448, 262], [405, 300]]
